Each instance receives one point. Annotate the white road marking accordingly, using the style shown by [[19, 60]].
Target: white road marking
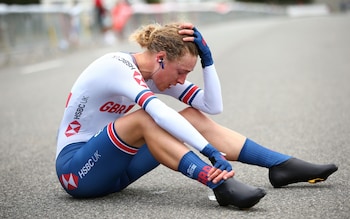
[[41, 66]]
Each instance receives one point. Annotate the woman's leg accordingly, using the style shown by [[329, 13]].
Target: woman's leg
[[142, 163], [233, 144], [224, 139], [139, 128], [284, 169]]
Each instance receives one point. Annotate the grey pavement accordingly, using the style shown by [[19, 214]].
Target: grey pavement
[[285, 85]]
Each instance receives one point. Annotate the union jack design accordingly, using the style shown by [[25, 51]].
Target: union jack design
[[144, 97], [118, 142], [188, 95]]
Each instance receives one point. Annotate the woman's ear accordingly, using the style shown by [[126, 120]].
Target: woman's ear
[[161, 55], [160, 58]]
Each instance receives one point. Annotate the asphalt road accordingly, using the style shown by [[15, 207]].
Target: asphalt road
[[285, 85]]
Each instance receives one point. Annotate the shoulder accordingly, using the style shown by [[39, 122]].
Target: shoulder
[[115, 62], [123, 60]]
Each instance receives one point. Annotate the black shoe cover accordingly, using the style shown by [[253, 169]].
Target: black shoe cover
[[295, 170], [238, 194]]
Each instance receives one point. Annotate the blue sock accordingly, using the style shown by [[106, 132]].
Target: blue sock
[[253, 153], [193, 167]]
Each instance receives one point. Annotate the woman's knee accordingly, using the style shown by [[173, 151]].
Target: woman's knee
[[192, 114], [131, 128], [139, 117], [190, 111]]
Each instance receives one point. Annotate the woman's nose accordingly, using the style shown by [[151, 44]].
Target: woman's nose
[[181, 79]]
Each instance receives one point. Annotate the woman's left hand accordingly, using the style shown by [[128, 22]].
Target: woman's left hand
[[197, 38], [216, 175]]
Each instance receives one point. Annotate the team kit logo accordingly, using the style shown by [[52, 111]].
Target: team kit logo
[[69, 181], [139, 79], [73, 128]]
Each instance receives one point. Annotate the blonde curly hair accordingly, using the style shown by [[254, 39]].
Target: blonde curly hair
[[156, 38]]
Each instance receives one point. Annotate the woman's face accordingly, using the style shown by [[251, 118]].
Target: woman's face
[[174, 72]]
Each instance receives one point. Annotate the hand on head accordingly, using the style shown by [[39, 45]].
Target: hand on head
[[197, 38]]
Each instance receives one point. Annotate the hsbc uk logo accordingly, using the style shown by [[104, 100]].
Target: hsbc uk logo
[[69, 181], [90, 163], [79, 111], [73, 128]]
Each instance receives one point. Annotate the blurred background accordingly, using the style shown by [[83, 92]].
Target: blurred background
[[31, 30]]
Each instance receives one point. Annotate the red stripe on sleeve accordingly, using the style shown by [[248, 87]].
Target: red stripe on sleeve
[[189, 94], [144, 97]]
